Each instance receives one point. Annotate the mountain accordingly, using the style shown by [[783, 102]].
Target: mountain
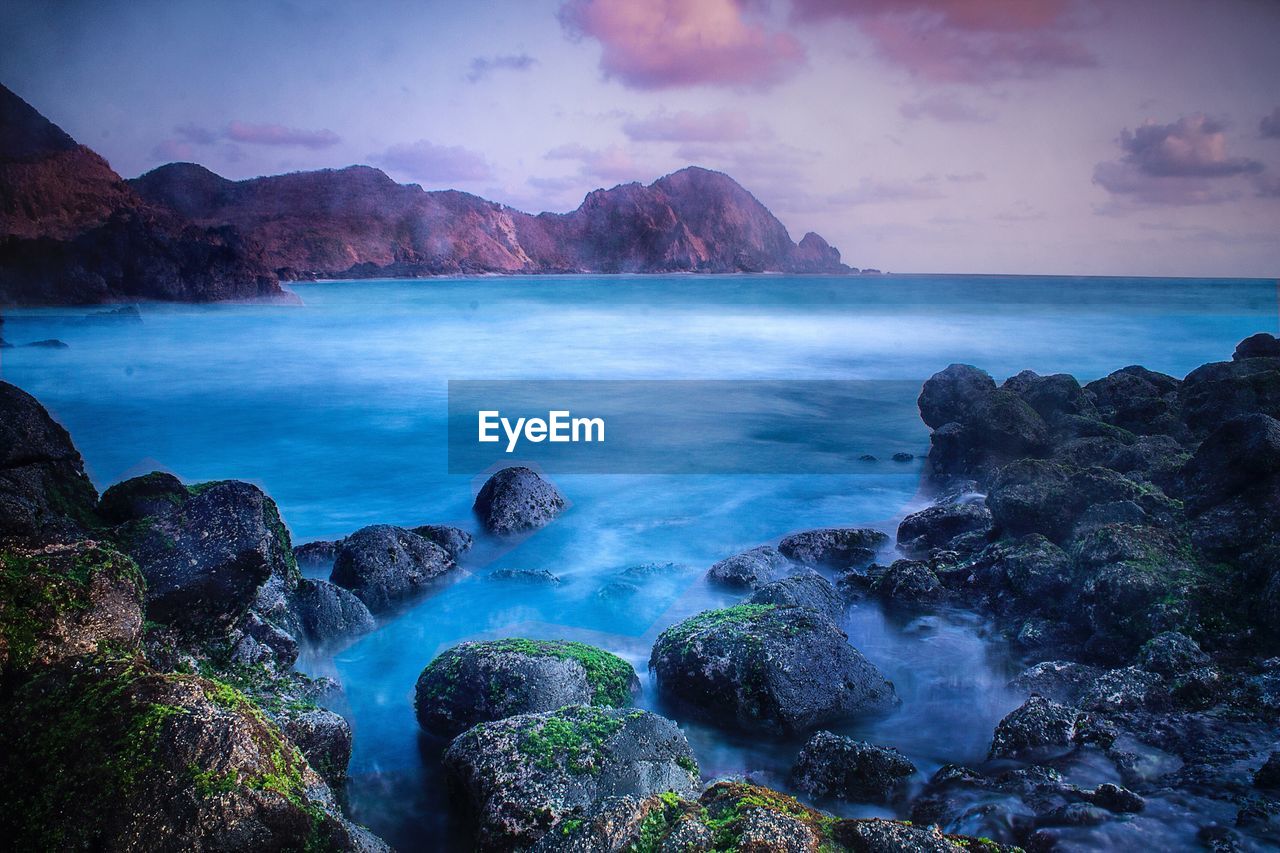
[[358, 222], [72, 231]]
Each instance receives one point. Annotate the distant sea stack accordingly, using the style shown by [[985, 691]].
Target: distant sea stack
[[358, 223], [73, 232]]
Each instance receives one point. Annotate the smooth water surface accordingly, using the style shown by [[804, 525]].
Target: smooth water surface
[[337, 409]]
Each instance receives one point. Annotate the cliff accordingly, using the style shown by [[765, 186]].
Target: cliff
[[357, 222], [72, 231]]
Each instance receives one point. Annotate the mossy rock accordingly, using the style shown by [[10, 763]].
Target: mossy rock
[[765, 667], [65, 601], [476, 682], [117, 756]]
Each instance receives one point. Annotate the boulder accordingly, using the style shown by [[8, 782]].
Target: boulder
[[204, 550], [1268, 775], [1064, 682], [477, 682], [949, 395], [832, 546], [763, 667], [324, 738], [1031, 571], [385, 565], [522, 775], [319, 554], [66, 601], [963, 527], [454, 540], [1240, 455], [830, 765], [1033, 496], [907, 582], [327, 613], [44, 493], [806, 589], [1051, 396], [1126, 689], [1213, 393], [1138, 400], [1171, 654], [749, 569], [533, 577], [156, 761], [517, 499], [1261, 345], [1038, 727]]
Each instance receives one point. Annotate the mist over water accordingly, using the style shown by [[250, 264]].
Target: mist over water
[[338, 410]]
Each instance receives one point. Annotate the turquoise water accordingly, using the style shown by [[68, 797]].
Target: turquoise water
[[337, 409]]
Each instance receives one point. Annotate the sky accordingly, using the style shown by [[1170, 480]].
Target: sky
[[1076, 137]]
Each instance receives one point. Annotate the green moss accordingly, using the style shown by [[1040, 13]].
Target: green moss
[[575, 735], [689, 765], [608, 675]]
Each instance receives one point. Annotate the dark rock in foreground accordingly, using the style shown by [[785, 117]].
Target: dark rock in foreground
[[962, 527], [805, 589], [327, 613], [766, 668], [523, 775], [478, 682], [324, 739], [44, 493], [1039, 726], [834, 766], [834, 546], [749, 569], [385, 565], [517, 499]]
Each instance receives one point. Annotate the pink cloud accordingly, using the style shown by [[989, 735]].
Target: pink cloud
[[425, 161], [1181, 163], [664, 44], [173, 150], [276, 134], [685, 126], [965, 41], [946, 109], [605, 164]]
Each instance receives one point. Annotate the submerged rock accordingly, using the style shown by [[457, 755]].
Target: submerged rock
[[384, 565], [833, 546], [534, 577], [524, 774], [830, 765], [749, 569], [454, 540], [327, 613], [44, 493], [517, 499], [477, 682], [765, 667], [807, 589]]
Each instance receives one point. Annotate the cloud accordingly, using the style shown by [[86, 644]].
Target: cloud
[[664, 44], [425, 161], [483, 66], [613, 163], [1269, 127], [1177, 164], [276, 134], [685, 126], [967, 177], [173, 150], [196, 134], [1267, 186], [874, 191], [943, 108], [965, 41]]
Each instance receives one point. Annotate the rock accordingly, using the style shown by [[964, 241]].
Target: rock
[[324, 738], [50, 343], [833, 546], [1039, 726], [1050, 396], [830, 765], [1171, 654], [477, 682], [454, 540], [950, 395], [1221, 391], [1033, 496], [61, 602], [749, 569], [155, 761], [963, 527], [1240, 455], [523, 774], [1268, 775], [807, 589], [1038, 573], [1116, 799], [1261, 345], [903, 457], [319, 554], [327, 613], [254, 641], [204, 551], [616, 590], [1127, 689], [385, 565], [533, 577], [517, 499], [1064, 682], [44, 493], [1138, 400], [908, 582], [764, 667]]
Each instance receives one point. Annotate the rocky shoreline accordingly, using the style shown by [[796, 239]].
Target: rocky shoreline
[[1123, 535]]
